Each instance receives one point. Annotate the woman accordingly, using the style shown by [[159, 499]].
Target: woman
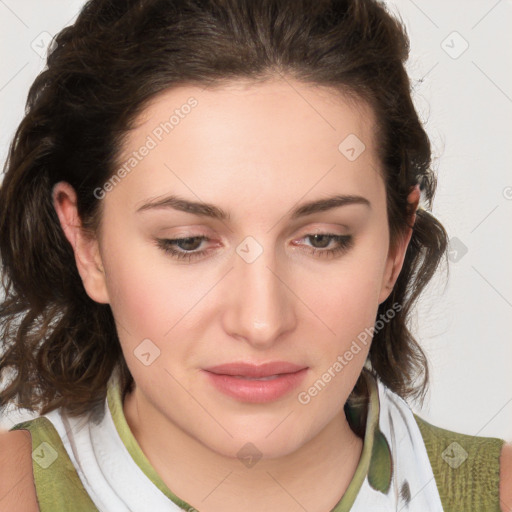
[[212, 237]]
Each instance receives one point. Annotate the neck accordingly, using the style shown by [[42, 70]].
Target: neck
[[314, 477]]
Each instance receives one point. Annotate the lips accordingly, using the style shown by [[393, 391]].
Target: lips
[[266, 371], [253, 383]]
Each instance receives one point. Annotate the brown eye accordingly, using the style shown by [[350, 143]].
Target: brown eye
[[322, 240], [188, 244], [186, 247]]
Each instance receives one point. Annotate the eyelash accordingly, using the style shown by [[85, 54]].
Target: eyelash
[[345, 243]]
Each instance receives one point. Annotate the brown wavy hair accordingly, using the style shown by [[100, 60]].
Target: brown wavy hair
[[59, 347]]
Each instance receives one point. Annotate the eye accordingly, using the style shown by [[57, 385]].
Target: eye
[[187, 248], [342, 244]]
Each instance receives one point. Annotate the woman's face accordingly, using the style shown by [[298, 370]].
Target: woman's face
[[247, 175]]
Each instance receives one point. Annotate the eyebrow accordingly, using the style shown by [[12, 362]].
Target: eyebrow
[[210, 210]]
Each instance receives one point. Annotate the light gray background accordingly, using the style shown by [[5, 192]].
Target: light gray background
[[464, 96]]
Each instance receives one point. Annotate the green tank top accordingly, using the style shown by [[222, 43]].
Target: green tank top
[[472, 486], [469, 487]]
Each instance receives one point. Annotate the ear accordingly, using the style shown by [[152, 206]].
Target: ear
[[396, 253], [86, 248]]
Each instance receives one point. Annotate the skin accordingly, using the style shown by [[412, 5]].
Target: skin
[[256, 151]]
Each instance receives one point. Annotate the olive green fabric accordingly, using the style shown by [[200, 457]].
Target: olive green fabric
[[58, 486], [466, 468]]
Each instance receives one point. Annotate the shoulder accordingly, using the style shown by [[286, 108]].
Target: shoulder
[[506, 478], [17, 489], [467, 468], [48, 479]]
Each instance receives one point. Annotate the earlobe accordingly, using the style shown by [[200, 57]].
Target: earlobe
[[85, 247], [397, 253]]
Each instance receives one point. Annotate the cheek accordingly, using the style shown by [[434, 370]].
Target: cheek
[[146, 304], [349, 310], [143, 299], [353, 289], [348, 303], [347, 299], [153, 298]]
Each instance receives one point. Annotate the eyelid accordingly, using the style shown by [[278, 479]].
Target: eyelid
[[343, 243], [307, 232]]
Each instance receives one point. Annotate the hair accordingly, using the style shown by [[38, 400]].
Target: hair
[[59, 346]]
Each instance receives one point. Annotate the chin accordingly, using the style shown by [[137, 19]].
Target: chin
[[258, 443]]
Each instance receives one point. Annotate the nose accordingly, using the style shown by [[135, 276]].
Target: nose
[[260, 308]]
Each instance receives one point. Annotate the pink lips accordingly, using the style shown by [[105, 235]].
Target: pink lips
[[256, 383]]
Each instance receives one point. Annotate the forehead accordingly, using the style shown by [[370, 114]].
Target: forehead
[[271, 138], [280, 111]]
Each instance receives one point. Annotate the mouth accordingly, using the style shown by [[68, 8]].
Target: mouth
[[265, 371], [256, 383], [270, 377]]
